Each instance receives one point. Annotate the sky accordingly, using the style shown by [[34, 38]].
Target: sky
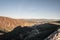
[[29, 9]]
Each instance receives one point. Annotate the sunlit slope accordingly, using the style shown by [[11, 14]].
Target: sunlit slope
[[7, 24]]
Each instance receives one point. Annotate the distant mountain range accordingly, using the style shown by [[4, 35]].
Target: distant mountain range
[[7, 24]]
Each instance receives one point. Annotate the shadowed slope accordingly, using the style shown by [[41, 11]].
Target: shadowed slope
[[37, 32]]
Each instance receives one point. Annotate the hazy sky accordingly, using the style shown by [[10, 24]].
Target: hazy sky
[[49, 9]]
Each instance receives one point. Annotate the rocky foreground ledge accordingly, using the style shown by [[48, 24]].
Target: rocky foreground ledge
[[54, 36]]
